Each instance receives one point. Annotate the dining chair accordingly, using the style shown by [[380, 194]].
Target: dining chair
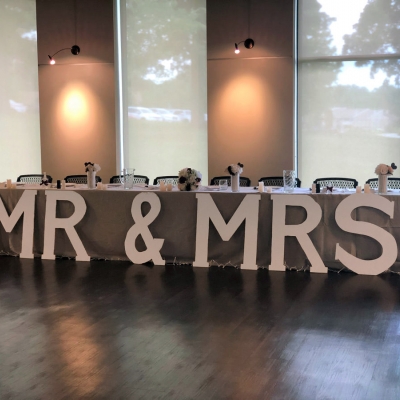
[[79, 179], [136, 179], [33, 178], [392, 183], [167, 179], [276, 181], [243, 181], [340, 183]]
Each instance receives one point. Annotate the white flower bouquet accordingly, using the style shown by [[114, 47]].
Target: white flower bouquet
[[91, 167], [45, 180], [235, 169], [189, 179], [383, 169]]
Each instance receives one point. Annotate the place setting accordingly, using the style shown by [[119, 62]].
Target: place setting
[[190, 179]]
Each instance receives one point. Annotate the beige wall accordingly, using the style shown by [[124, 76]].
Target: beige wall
[[249, 116], [77, 95], [77, 118], [250, 95]]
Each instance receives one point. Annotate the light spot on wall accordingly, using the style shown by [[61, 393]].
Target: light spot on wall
[[243, 94], [244, 107], [76, 110], [75, 106]]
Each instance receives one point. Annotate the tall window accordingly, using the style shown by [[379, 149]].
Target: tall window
[[163, 58], [348, 87], [19, 93]]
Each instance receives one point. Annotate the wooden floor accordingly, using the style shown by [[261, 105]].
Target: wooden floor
[[113, 330]]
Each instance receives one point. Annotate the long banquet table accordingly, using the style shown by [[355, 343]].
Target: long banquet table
[[108, 218]]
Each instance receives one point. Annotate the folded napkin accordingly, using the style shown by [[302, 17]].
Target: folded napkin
[[121, 185], [302, 190], [153, 187], [338, 190], [212, 188]]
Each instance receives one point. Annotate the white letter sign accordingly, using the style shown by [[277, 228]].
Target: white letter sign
[[207, 210], [26, 206], [386, 240], [51, 223], [141, 227], [280, 230]]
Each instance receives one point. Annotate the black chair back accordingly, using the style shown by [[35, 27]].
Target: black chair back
[[136, 179], [33, 178], [392, 183], [276, 181], [341, 183], [79, 179], [168, 179], [243, 181]]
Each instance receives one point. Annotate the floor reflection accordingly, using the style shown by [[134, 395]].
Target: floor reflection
[[118, 330]]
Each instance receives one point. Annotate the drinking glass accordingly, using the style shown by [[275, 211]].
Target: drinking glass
[[223, 184], [127, 177], [289, 180]]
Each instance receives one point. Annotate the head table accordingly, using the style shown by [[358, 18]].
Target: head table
[[103, 229]]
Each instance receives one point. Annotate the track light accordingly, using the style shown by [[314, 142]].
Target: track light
[[248, 43], [75, 50]]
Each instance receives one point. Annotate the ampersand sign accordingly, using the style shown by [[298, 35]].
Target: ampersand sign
[[141, 227]]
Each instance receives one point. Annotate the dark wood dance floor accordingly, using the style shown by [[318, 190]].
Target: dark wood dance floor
[[113, 330]]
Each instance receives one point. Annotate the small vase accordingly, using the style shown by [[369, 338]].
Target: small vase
[[235, 182], [91, 180], [382, 184]]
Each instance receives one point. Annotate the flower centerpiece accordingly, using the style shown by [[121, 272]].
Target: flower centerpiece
[[45, 180], [234, 170], [383, 170], [189, 179], [91, 169]]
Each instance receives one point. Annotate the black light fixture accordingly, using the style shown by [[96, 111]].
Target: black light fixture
[[248, 43], [75, 50]]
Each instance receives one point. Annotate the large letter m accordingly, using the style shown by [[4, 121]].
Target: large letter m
[[207, 210]]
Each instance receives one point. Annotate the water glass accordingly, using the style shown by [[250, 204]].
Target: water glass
[[127, 177], [223, 184], [289, 180]]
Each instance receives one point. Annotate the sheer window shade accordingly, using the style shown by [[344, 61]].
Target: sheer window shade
[[348, 87], [19, 94], [164, 86]]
